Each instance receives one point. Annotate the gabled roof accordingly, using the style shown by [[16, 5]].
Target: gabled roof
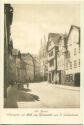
[[36, 58], [63, 37], [15, 52], [71, 28], [25, 56], [55, 37], [74, 26]]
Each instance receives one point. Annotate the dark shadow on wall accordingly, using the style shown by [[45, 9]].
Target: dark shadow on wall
[[26, 90], [23, 96]]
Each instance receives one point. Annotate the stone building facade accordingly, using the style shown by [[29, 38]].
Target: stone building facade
[[61, 69], [43, 60], [73, 58], [36, 68], [20, 67], [64, 57], [8, 17], [30, 67], [52, 49]]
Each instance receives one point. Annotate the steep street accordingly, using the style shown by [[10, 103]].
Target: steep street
[[45, 95]]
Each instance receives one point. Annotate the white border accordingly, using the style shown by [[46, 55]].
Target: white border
[[5, 117]]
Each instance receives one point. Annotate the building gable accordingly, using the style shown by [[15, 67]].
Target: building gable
[[74, 35], [53, 40]]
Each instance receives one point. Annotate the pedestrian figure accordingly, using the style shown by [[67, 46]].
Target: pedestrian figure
[[20, 86], [28, 83], [12, 96]]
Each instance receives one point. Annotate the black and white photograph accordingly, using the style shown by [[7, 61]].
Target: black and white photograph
[[42, 55]]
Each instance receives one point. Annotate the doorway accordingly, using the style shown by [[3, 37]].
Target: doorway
[[77, 79], [50, 77]]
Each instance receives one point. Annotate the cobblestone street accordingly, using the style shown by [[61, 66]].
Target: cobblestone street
[[45, 95]]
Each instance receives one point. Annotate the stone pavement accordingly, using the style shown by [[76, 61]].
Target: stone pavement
[[74, 88], [52, 96], [45, 95]]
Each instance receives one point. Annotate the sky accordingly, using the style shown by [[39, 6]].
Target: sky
[[31, 22]]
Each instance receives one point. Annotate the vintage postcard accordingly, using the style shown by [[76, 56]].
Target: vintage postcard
[[42, 63]]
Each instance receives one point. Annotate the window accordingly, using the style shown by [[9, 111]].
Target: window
[[67, 54], [58, 54], [71, 78], [49, 44], [51, 54], [79, 50], [70, 65], [79, 63], [67, 66], [75, 51], [75, 63], [67, 78], [51, 63]]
